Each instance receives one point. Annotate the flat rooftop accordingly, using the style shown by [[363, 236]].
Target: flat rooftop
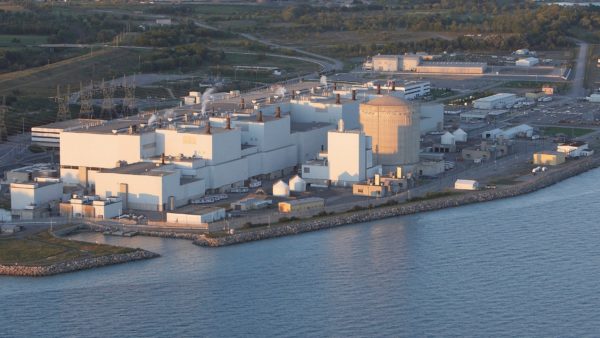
[[302, 127], [499, 96], [141, 168], [453, 64], [194, 209], [70, 124]]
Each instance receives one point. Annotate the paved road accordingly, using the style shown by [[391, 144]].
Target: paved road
[[328, 64], [577, 88]]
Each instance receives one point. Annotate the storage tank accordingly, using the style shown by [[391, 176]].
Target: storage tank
[[393, 125], [281, 189], [297, 184]]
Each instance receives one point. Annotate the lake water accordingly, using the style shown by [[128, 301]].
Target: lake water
[[527, 266]]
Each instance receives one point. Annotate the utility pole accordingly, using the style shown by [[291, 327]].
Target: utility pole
[[63, 104], [107, 101], [129, 99], [3, 130], [85, 98]]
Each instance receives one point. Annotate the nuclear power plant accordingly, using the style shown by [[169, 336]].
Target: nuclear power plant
[[393, 125], [329, 134]]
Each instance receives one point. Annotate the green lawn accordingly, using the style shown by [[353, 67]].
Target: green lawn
[[573, 132], [45, 249], [8, 40]]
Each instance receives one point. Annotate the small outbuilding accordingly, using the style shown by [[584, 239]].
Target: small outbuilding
[[466, 185], [300, 205], [281, 189], [447, 138], [297, 184], [527, 62], [549, 158], [460, 135]]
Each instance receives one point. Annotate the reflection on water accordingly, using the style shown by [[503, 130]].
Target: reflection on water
[[527, 266]]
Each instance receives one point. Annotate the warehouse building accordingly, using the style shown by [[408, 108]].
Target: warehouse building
[[92, 207], [549, 158], [386, 63], [527, 62], [452, 67], [48, 135], [35, 199], [302, 205], [497, 101]]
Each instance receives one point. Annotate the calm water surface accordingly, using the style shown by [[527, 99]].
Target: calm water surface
[[528, 266]]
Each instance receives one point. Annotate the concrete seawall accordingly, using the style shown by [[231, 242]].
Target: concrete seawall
[[542, 181], [75, 265]]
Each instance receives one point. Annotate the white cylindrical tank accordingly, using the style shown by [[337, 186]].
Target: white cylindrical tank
[[281, 189], [297, 184], [460, 135], [393, 125]]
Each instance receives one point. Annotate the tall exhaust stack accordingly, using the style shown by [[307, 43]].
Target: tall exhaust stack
[[243, 103], [260, 116], [353, 94], [393, 86], [378, 89], [208, 127], [335, 86], [337, 99], [278, 112], [293, 94], [162, 158], [228, 122]]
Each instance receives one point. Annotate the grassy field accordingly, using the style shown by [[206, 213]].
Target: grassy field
[[42, 81], [573, 132], [7, 40], [45, 249]]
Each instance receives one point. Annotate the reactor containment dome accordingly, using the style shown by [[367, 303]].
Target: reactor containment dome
[[393, 125]]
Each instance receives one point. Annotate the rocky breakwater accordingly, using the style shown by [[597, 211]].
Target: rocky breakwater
[[292, 228], [75, 265]]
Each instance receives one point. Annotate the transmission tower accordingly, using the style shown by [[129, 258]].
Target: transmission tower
[[107, 102], [63, 104], [85, 96], [3, 130], [129, 99]]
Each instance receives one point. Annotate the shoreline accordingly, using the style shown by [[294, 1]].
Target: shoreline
[[353, 217], [74, 265]]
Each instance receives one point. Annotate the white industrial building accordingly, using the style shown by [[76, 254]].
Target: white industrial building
[[466, 185], [386, 63], [48, 135], [31, 200], [502, 100], [192, 215], [92, 207], [574, 149], [527, 62], [349, 159], [522, 130]]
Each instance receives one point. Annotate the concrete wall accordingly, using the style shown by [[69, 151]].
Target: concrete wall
[[99, 150], [310, 142], [347, 156]]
